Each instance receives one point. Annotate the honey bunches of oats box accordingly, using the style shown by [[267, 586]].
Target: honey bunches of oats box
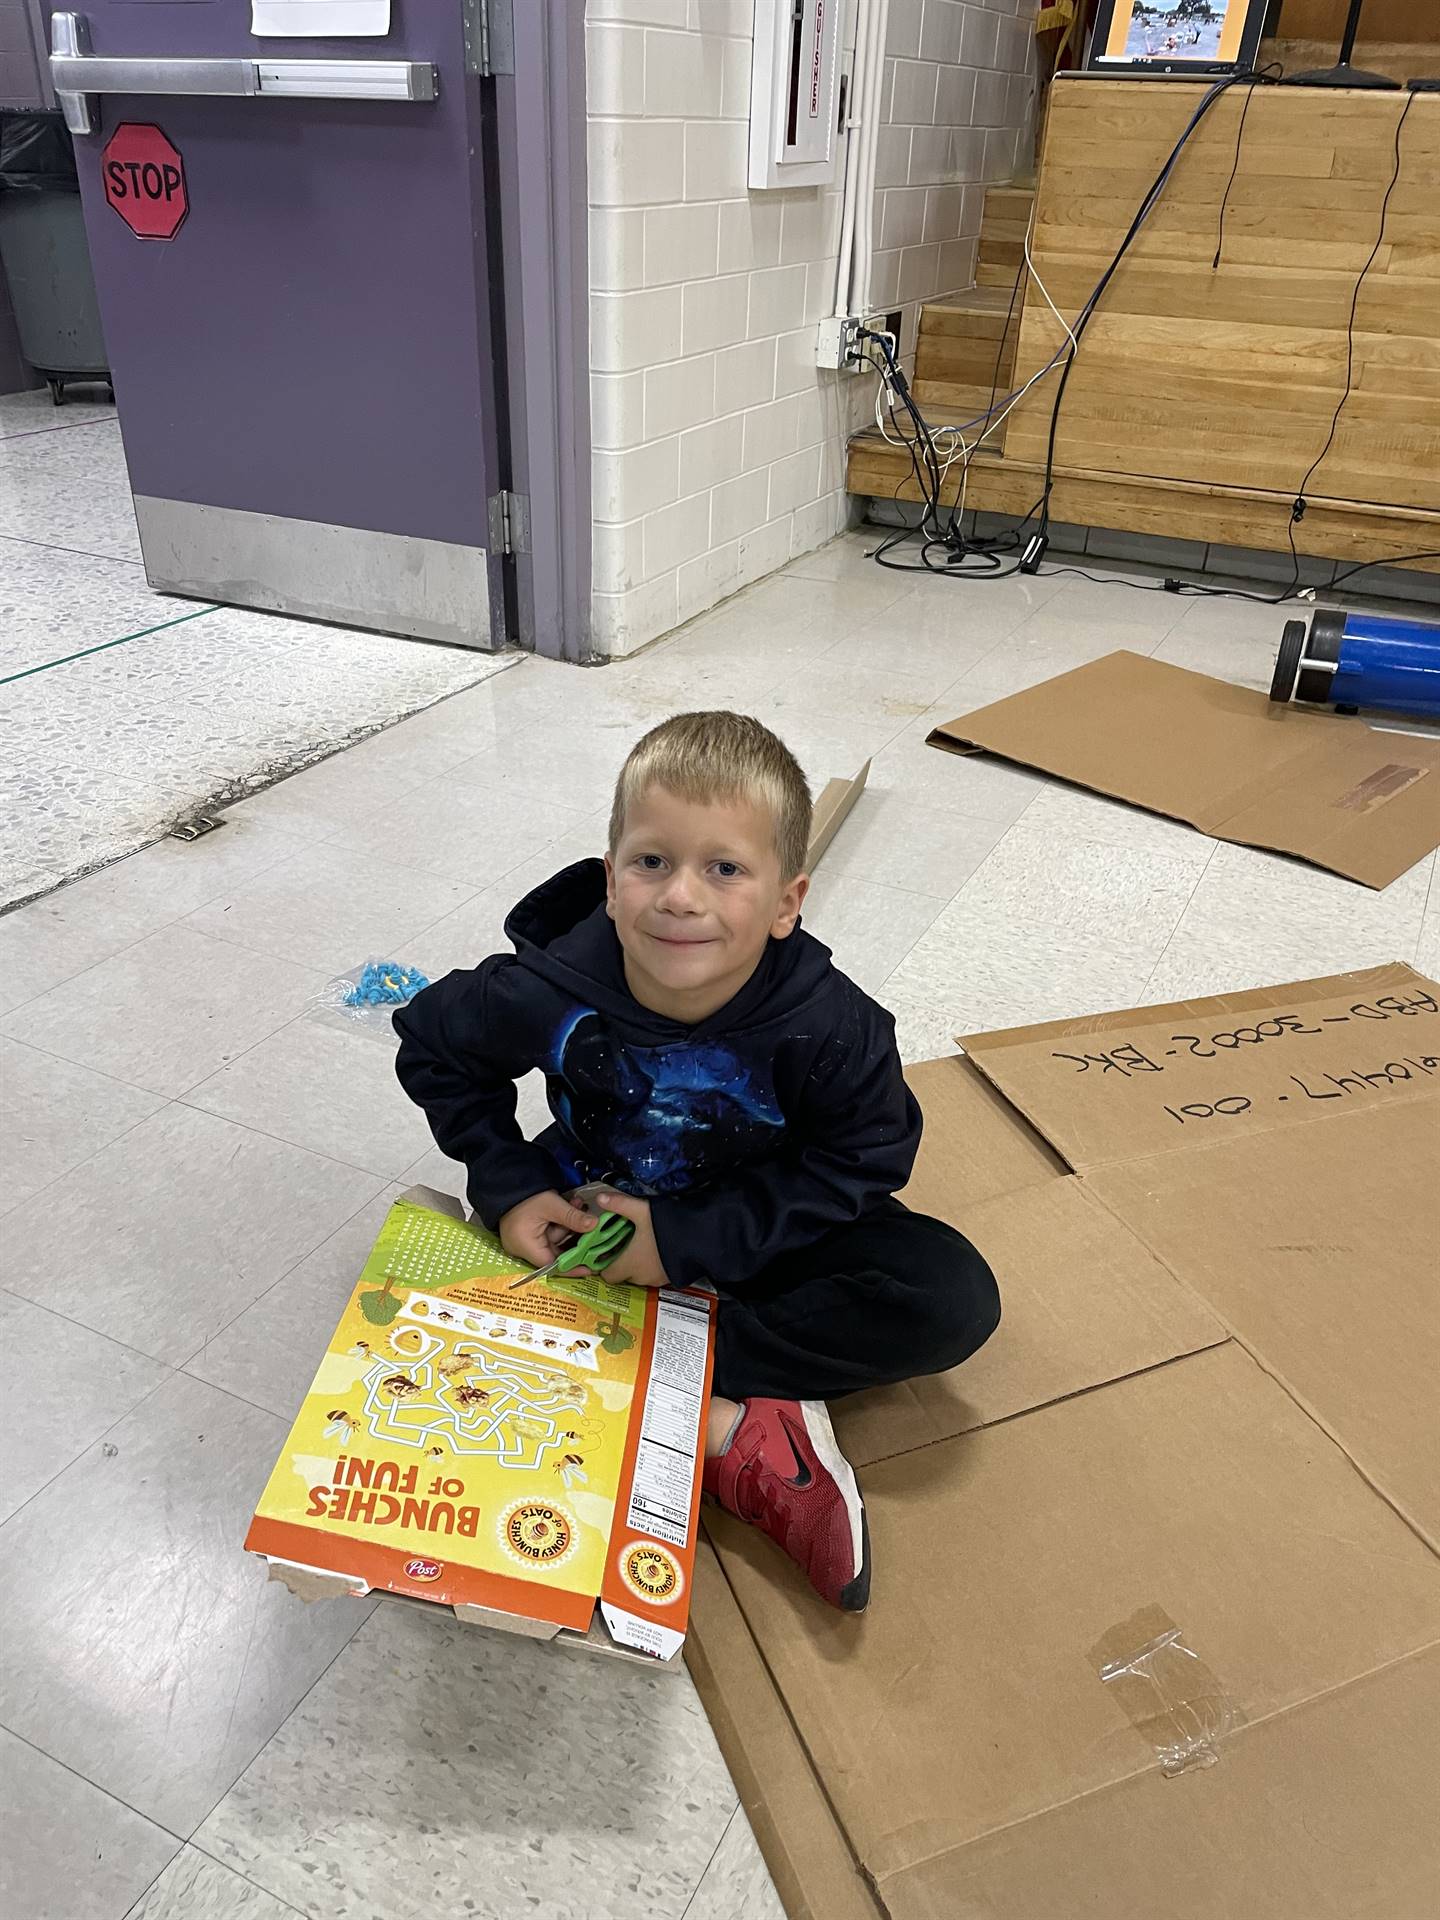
[[529, 1450]]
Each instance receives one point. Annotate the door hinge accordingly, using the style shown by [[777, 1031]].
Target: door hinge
[[509, 523], [489, 37]]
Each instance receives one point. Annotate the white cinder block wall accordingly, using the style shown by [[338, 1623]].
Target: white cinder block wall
[[719, 446]]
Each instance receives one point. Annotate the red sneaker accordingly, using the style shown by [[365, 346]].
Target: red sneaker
[[783, 1472]]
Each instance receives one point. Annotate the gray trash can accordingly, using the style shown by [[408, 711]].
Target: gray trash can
[[44, 253]]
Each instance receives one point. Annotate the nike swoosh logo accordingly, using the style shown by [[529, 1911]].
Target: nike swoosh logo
[[802, 1475]]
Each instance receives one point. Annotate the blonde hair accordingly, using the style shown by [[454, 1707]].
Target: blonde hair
[[721, 756]]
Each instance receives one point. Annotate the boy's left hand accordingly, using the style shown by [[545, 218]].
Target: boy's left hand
[[638, 1261]]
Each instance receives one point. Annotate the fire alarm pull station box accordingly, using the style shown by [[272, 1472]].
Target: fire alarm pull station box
[[794, 92]]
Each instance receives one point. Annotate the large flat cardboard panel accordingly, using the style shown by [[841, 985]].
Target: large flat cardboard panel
[[1324, 1813], [804, 1846], [964, 1700], [1083, 1301], [1228, 760], [1310, 1245], [974, 1145], [1175, 1078]]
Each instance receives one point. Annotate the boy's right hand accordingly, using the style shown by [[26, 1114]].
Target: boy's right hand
[[539, 1227]]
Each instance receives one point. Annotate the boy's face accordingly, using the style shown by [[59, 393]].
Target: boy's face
[[695, 891]]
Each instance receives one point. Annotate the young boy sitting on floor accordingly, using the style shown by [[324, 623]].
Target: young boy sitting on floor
[[701, 1051]]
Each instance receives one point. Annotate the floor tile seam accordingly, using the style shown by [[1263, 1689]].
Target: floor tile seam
[[103, 646], [325, 968], [171, 1097], [490, 885], [899, 886], [44, 1307], [183, 1366], [714, 1855], [119, 1801], [971, 878], [100, 1438], [66, 881], [807, 668], [55, 426], [101, 1073], [265, 1133], [80, 553], [1180, 917], [227, 1867], [39, 1192], [264, 1747]]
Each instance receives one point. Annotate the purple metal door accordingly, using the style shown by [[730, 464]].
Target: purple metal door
[[305, 372]]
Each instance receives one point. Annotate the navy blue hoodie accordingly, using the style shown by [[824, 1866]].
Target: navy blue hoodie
[[782, 1114]]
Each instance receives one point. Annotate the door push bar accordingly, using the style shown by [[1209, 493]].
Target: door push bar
[[77, 74]]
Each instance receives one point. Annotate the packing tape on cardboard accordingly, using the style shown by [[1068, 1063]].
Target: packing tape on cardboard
[[1165, 1690]]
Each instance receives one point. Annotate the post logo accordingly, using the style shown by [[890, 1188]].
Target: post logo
[[423, 1569]]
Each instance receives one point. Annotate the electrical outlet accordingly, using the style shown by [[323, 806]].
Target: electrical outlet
[[839, 348], [835, 345]]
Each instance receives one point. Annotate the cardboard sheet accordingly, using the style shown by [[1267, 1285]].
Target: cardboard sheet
[[1321, 1260], [964, 1701], [1173, 1078], [1322, 786], [1085, 1301], [1326, 1813], [1111, 1460]]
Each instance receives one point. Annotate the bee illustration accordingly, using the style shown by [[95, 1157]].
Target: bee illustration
[[435, 1453], [342, 1423], [361, 1346], [577, 1347], [400, 1386], [570, 1470]]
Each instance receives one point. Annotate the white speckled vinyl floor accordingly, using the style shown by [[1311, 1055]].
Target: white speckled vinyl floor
[[171, 702], [195, 1164]]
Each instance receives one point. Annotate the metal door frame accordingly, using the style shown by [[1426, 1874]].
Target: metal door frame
[[536, 55]]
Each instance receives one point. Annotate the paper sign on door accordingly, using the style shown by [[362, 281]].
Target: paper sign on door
[[319, 19]]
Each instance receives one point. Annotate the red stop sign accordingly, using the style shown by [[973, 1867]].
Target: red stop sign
[[144, 179]]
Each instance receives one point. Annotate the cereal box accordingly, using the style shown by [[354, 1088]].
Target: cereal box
[[517, 1450]]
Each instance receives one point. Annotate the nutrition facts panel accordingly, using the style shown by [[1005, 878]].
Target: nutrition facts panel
[[670, 1426]]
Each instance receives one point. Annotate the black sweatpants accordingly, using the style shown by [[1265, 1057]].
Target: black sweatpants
[[890, 1296]]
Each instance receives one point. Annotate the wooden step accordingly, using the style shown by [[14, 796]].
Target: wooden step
[[978, 313], [878, 466], [885, 472], [959, 401], [1002, 234], [1010, 202], [967, 343], [967, 362]]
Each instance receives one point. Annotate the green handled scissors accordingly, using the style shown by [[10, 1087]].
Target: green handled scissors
[[594, 1249]]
